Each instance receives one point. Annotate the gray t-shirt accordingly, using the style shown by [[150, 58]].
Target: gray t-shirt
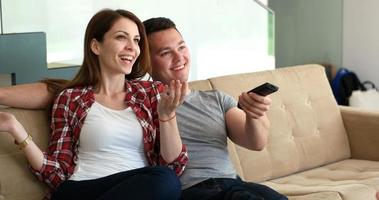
[[201, 121]]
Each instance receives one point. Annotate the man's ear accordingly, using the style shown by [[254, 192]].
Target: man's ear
[[95, 46]]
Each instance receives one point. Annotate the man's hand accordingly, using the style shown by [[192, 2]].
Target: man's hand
[[249, 127], [254, 105]]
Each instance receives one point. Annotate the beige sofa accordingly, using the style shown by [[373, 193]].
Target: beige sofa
[[316, 149]]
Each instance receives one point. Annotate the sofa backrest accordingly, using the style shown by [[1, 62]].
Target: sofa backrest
[[306, 130], [306, 125]]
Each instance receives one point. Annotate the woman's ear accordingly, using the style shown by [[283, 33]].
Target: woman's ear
[[95, 46]]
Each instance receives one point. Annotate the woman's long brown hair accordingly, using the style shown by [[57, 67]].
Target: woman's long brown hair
[[89, 73]]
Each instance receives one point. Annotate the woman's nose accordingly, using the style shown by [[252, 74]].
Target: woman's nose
[[131, 45]]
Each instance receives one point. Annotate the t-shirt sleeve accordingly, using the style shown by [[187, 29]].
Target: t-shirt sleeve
[[228, 101]]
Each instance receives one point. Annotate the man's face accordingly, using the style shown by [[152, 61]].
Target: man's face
[[170, 57]]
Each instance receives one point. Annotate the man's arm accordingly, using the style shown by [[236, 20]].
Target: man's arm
[[247, 132], [249, 127], [30, 96]]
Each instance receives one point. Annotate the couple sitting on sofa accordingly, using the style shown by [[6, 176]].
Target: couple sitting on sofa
[[204, 119]]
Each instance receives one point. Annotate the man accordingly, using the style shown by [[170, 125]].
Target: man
[[205, 120]]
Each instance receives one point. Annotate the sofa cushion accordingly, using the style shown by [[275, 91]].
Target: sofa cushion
[[352, 179], [329, 195], [200, 85], [306, 125]]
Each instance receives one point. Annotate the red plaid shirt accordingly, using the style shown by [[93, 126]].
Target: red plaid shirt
[[69, 113]]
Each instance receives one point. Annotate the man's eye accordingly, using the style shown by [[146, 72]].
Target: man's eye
[[182, 47]]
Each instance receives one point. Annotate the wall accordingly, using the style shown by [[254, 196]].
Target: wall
[[308, 31], [5, 80], [361, 38], [24, 56]]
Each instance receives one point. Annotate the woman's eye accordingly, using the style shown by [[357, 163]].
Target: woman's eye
[[120, 37], [137, 40], [164, 53]]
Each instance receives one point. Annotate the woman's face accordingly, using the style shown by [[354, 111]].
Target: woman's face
[[119, 49]]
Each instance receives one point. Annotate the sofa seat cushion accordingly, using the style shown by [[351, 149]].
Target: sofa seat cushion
[[317, 196], [352, 179], [16, 181]]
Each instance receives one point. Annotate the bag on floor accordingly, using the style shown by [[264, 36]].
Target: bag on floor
[[343, 85], [368, 99]]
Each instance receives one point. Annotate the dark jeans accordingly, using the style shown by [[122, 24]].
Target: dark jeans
[[230, 189], [150, 183]]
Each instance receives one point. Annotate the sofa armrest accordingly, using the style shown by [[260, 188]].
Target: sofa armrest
[[363, 131]]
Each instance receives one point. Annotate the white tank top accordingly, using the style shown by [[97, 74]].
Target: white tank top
[[110, 141]]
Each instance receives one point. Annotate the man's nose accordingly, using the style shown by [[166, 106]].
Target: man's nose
[[178, 57]]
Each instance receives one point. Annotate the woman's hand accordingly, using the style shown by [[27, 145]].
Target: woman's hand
[[171, 98], [171, 145], [8, 122], [254, 105]]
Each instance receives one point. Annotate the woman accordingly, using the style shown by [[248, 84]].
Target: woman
[[107, 127]]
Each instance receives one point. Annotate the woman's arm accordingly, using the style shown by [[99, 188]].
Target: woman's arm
[[172, 152], [30, 96], [58, 163], [55, 165], [171, 98], [8, 123]]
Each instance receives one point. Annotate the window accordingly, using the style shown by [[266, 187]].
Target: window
[[224, 36]]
